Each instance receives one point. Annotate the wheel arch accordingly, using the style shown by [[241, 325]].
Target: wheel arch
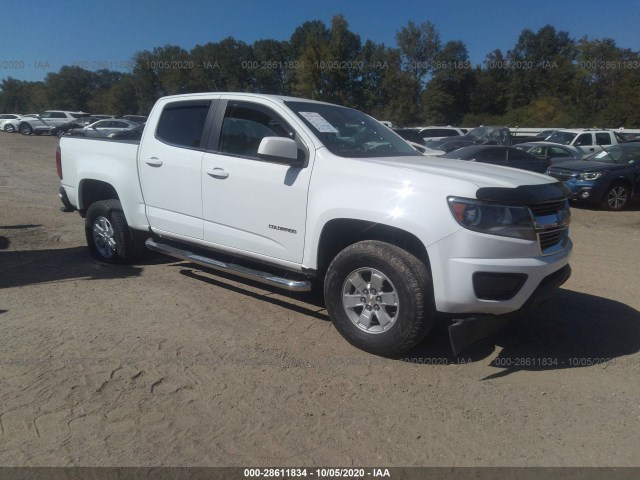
[[337, 234], [621, 181], [91, 191]]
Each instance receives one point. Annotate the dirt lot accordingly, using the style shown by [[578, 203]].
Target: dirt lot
[[163, 363]]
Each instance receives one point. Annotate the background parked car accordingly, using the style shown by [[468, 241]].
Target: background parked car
[[610, 177], [410, 134], [6, 124], [438, 133], [500, 155], [103, 128], [630, 137], [135, 118], [44, 122], [551, 151], [12, 126], [78, 123], [477, 136], [540, 137], [131, 134]]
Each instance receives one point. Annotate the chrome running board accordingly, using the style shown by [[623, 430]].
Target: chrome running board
[[239, 270]]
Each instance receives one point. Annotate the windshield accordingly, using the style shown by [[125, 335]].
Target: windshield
[[350, 133], [617, 155], [563, 138]]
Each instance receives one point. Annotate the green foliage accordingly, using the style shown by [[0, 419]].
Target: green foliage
[[546, 79]]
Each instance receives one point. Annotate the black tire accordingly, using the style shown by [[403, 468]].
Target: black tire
[[405, 275], [617, 197], [25, 129], [127, 245], [9, 128]]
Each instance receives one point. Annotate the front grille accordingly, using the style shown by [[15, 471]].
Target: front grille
[[551, 220], [543, 209], [552, 238], [561, 175]]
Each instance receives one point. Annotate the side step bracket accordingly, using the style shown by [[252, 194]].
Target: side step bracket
[[232, 268]]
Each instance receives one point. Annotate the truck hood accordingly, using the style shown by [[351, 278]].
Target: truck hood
[[480, 174]]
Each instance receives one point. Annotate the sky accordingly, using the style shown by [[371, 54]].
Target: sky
[[39, 37]]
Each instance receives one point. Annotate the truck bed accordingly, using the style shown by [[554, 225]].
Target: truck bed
[[113, 162]]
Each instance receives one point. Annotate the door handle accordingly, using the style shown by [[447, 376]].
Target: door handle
[[153, 161], [217, 172]]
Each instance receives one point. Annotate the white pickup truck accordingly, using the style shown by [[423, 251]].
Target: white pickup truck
[[303, 193]]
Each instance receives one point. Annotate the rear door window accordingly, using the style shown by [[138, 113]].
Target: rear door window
[[182, 124], [584, 139], [603, 139]]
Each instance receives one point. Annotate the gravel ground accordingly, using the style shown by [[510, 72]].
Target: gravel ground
[[164, 363]]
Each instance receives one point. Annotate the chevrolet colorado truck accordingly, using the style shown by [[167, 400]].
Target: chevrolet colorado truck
[[295, 193]]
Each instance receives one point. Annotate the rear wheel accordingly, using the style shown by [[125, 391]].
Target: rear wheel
[[9, 128], [108, 235], [379, 297], [617, 197]]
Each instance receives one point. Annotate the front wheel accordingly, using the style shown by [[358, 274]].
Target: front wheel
[[26, 129], [379, 297], [617, 197], [108, 235], [9, 128]]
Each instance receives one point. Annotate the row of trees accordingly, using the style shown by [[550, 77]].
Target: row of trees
[[546, 79]]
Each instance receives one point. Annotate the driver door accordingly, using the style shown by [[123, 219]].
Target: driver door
[[250, 204]]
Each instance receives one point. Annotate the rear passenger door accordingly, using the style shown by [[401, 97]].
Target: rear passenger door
[[603, 140], [584, 143], [170, 165]]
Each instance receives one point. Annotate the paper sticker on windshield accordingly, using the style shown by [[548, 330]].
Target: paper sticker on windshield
[[319, 122]]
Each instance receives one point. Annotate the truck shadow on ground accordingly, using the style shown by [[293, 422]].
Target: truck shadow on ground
[[30, 267], [306, 303], [569, 330]]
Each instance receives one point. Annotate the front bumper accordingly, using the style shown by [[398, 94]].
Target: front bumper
[[471, 330], [465, 255], [586, 190]]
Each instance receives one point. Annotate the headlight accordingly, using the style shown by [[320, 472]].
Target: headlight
[[501, 220], [590, 175]]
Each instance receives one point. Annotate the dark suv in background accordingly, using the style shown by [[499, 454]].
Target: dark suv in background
[[610, 178]]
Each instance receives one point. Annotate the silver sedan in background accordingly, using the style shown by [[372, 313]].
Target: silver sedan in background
[[551, 151], [103, 128]]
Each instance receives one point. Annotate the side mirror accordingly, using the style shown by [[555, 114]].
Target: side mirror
[[279, 149]]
